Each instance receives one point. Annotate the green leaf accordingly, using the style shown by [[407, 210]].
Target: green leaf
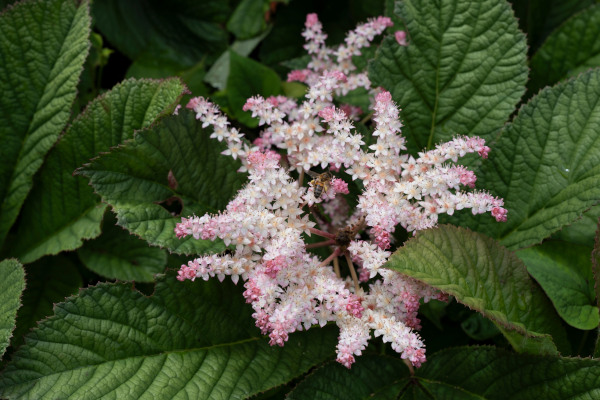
[[188, 340], [546, 164], [564, 271], [368, 376], [596, 273], [538, 18], [573, 48], [118, 255], [485, 277], [248, 19], [461, 373], [62, 210], [479, 328], [581, 231], [43, 45], [218, 74], [152, 68], [181, 31], [492, 373], [49, 281], [463, 71], [11, 287], [249, 78], [173, 167]]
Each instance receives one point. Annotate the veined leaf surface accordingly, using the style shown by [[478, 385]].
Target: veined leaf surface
[[43, 45]]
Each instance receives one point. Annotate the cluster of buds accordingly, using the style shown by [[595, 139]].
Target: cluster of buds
[[267, 223]]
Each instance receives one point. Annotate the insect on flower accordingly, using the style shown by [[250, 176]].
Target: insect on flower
[[320, 182]]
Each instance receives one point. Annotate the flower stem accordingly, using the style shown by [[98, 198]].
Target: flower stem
[[336, 267], [301, 178], [324, 234], [333, 255], [352, 272], [320, 244], [410, 366]]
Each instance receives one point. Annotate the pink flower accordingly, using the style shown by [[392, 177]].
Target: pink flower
[[265, 224], [299, 75], [339, 186], [311, 20], [401, 38]]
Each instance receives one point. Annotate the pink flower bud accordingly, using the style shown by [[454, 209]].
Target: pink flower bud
[[401, 38]]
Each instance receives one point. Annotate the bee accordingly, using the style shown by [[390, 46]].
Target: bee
[[320, 182], [344, 236]]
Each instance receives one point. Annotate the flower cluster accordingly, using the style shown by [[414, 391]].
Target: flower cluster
[[266, 224], [339, 59]]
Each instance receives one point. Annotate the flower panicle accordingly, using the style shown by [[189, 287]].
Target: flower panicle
[[266, 225]]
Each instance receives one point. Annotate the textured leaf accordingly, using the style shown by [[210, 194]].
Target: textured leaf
[[62, 210], [485, 277], [11, 287], [49, 281], [546, 164], [581, 231], [368, 376], [461, 373], [538, 18], [188, 340], [596, 273], [118, 255], [573, 48], [43, 45], [172, 164], [463, 71], [498, 374], [248, 78], [182, 31], [564, 271]]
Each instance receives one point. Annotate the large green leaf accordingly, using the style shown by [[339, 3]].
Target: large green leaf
[[463, 71], [11, 287], [62, 210], [581, 231], [564, 271], [546, 164], [188, 340], [181, 31], [491, 373], [486, 277], [43, 45], [170, 165], [596, 273], [49, 281], [368, 376], [461, 373], [538, 18], [559, 58], [116, 254]]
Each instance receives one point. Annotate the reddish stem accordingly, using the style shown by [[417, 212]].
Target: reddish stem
[[352, 272], [324, 234], [333, 255], [320, 244], [336, 267]]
